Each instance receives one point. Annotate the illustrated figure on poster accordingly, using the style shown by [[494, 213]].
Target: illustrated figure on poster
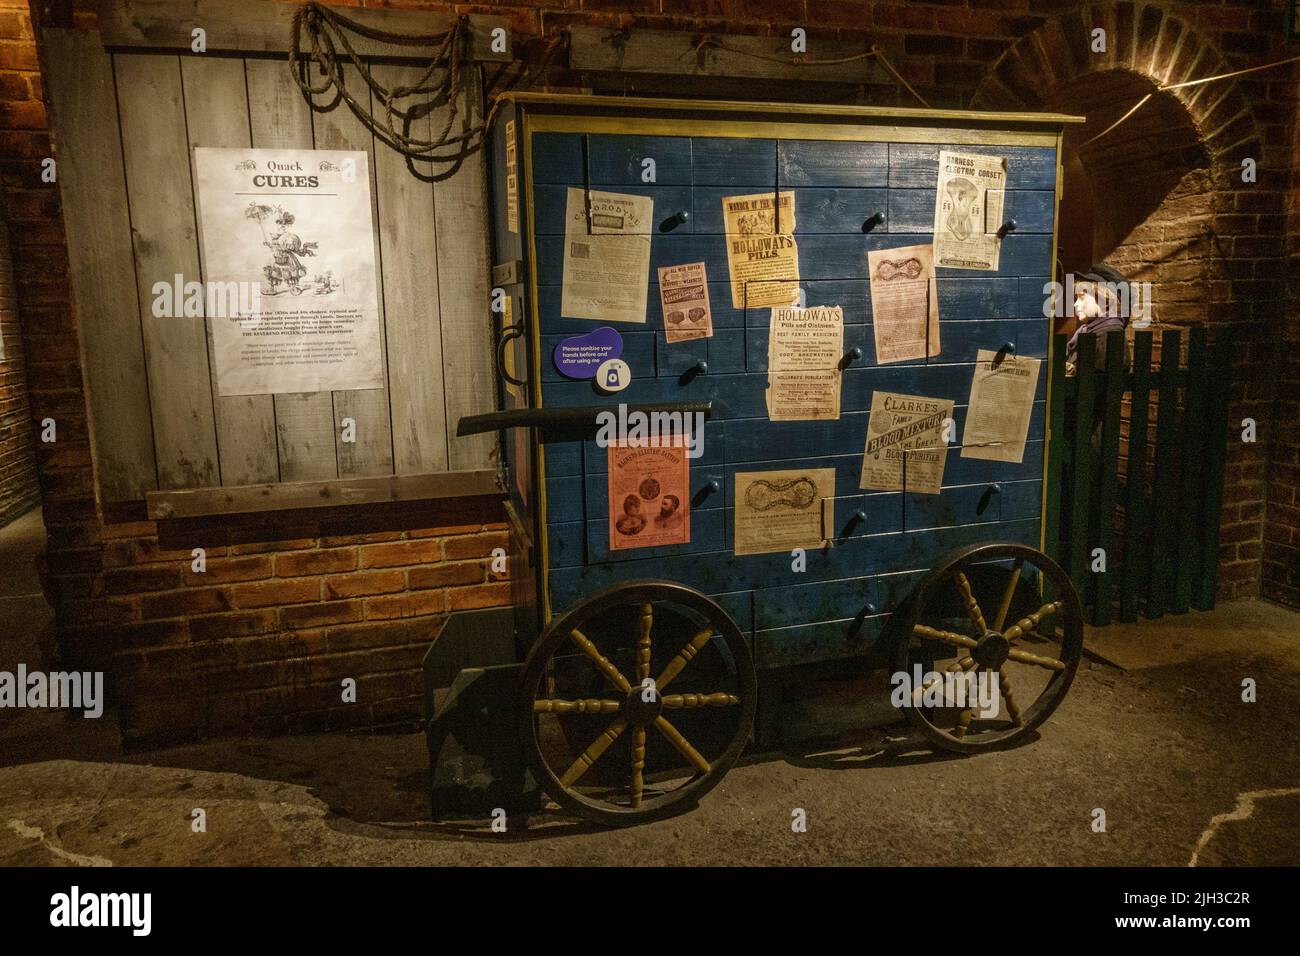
[[287, 250], [670, 513], [632, 520]]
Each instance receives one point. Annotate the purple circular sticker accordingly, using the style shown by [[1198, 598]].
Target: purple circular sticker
[[580, 355]]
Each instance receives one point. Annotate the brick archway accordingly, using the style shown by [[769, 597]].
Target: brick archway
[[1145, 40], [1169, 204]]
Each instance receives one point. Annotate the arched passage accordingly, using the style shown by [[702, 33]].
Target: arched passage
[[1155, 196]]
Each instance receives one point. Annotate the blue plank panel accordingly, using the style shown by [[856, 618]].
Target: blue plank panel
[[958, 341], [978, 298], [832, 163], [617, 160], [557, 158], [819, 601], [820, 256], [552, 202], [549, 299], [825, 641], [724, 352], [916, 165], [1033, 294], [718, 572], [839, 211], [912, 210], [742, 395], [725, 161], [563, 458], [703, 498]]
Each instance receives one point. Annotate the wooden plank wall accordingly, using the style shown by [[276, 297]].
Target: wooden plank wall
[[124, 126]]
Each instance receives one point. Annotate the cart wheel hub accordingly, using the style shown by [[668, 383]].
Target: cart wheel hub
[[639, 710], [992, 651]]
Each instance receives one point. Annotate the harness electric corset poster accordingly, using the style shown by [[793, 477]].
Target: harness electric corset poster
[[296, 225]]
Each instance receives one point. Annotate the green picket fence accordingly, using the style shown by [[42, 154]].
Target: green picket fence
[[1155, 516]]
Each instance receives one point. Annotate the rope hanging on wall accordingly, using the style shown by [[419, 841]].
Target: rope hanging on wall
[[441, 83]]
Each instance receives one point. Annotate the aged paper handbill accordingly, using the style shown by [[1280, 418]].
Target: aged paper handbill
[[904, 304], [649, 495], [968, 211], [512, 179], [761, 252], [684, 295], [1001, 403], [782, 510], [804, 350], [905, 443], [294, 225], [606, 266]]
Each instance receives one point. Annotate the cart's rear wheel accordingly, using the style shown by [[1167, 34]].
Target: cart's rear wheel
[[604, 740], [995, 632]]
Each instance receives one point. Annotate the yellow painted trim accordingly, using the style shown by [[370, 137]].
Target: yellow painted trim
[[539, 467], [642, 104], [763, 129], [1051, 345]]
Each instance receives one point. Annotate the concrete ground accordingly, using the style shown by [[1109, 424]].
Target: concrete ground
[[1185, 771]]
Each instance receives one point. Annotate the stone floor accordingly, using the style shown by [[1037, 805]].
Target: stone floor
[[1154, 732]]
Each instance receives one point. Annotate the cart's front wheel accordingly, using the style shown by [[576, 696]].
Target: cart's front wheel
[[634, 704], [986, 646]]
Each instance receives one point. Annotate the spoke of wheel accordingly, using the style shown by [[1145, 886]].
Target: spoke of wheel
[[1007, 595], [963, 720], [609, 670], [687, 701], [1024, 657], [1004, 684], [1024, 625], [684, 657], [585, 706], [643, 644], [682, 744], [962, 664], [951, 637], [592, 753], [972, 606], [638, 763]]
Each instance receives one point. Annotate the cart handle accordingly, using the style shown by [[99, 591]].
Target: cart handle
[[579, 416]]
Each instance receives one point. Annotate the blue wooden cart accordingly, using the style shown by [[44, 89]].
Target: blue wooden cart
[[644, 668]]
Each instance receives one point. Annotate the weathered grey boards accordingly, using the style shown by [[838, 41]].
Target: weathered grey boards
[[863, 180], [124, 126]]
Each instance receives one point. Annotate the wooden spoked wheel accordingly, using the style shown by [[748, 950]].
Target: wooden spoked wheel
[[634, 704], [989, 610]]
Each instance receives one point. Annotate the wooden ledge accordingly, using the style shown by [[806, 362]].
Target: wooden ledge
[[331, 493]]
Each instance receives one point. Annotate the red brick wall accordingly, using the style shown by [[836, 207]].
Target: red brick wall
[[18, 489], [292, 605], [1281, 545]]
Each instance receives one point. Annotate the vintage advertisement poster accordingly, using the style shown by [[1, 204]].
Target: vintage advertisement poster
[[295, 226], [761, 252], [804, 351], [512, 179], [783, 510], [905, 443], [649, 495], [1001, 402], [904, 304], [684, 294], [968, 211], [606, 266]]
